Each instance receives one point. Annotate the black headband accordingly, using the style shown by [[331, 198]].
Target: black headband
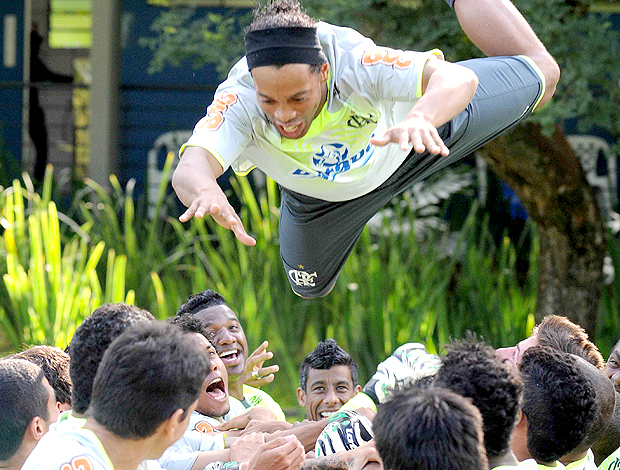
[[277, 46]]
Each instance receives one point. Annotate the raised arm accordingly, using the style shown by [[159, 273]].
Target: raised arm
[[195, 182], [497, 28]]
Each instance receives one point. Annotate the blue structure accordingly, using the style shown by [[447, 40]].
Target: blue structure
[[11, 75]]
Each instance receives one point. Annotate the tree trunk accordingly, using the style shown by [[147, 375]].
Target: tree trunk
[[548, 178]]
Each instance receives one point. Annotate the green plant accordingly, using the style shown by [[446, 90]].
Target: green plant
[[396, 287], [51, 284]]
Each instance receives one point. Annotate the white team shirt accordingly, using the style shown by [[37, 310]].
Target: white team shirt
[[370, 89], [257, 397], [69, 448], [558, 466], [199, 437], [611, 462], [67, 421], [528, 464], [207, 424]]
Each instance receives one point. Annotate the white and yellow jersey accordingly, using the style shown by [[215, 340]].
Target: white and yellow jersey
[[257, 397], [200, 436], [612, 462], [370, 89], [586, 463], [69, 448], [529, 464], [206, 424]]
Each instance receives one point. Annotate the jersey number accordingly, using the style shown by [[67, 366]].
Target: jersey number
[[386, 56], [204, 427], [79, 463], [215, 113]]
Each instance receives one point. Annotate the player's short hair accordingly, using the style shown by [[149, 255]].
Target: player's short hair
[[22, 397], [560, 333], [200, 301], [473, 370], [55, 365], [429, 429], [90, 341], [559, 402], [146, 374], [326, 355]]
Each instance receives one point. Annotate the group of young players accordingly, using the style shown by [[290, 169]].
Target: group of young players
[[184, 394]]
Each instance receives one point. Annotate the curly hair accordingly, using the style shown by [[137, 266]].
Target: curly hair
[[191, 324], [280, 14], [474, 370], [55, 364], [197, 302]]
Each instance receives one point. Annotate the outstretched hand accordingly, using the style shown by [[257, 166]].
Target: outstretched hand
[[415, 132], [255, 374], [213, 202]]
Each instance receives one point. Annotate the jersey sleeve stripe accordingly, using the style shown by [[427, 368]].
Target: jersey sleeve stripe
[[434, 52], [540, 73]]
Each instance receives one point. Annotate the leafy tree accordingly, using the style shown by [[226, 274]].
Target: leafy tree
[[535, 159]]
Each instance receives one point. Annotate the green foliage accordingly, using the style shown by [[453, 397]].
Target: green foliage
[[180, 36], [51, 284], [396, 287]]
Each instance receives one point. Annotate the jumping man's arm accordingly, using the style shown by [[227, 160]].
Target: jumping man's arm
[[447, 90], [194, 181]]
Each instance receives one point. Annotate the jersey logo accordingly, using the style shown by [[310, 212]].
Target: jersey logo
[[81, 462], [357, 121], [215, 113], [204, 427], [614, 465], [334, 159], [386, 56], [302, 278]]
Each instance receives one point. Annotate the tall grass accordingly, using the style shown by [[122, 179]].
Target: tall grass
[[395, 287]]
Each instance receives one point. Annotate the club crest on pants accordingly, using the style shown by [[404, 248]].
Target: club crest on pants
[[302, 278]]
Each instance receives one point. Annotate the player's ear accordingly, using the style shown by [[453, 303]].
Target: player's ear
[[37, 428], [521, 419], [324, 72], [358, 389], [175, 420], [301, 397]]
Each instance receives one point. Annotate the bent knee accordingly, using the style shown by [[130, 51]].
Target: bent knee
[[551, 71]]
